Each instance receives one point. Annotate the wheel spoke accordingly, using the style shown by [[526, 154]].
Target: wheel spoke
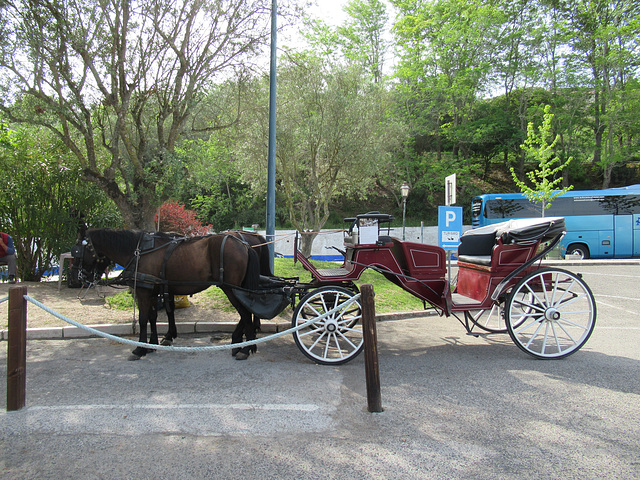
[[535, 334], [353, 345], [567, 333], [317, 340], [535, 296], [315, 330], [530, 305]]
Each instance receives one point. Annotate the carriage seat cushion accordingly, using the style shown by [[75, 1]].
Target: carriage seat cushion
[[476, 246], [528, 230]]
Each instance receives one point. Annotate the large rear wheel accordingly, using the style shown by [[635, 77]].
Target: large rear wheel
[[333, 339], [551, 313]]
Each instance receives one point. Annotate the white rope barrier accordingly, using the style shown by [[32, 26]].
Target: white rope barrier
[[172, 348], [4, 299]]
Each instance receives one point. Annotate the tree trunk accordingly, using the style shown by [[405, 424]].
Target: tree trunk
[[306, 243]]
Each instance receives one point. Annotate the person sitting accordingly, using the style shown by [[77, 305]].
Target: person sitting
[[8, 255]]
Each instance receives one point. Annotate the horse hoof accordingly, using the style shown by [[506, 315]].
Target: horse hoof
[[166, 342], [133, 357], [241, 356], [234, 351]]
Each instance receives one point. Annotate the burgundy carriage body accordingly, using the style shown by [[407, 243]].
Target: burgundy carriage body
[[486, 257]]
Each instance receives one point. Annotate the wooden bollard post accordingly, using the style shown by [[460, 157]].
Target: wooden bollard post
[[17, 349], [371, 367]]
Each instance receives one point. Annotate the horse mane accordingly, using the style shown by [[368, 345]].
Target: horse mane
[[117, 239]]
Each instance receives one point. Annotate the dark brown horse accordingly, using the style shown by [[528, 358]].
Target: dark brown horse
[[161, 264], [259, 245]]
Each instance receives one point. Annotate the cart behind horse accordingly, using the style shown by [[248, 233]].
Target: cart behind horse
[[501, 287]]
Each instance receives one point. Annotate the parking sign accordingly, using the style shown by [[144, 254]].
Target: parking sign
[[449, 227]]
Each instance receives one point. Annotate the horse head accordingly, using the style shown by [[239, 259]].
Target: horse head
[[89, 264]]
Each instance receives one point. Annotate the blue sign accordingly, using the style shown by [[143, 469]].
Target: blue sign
[[449, 227]]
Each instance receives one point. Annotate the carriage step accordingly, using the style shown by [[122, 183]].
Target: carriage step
[[333, 272], [459, 299]]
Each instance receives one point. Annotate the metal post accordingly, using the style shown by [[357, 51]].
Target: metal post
[[404, 213], [271, 164], [371, 367], [17, 349]]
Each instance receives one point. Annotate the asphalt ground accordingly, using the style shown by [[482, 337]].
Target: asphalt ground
[[455, 406]]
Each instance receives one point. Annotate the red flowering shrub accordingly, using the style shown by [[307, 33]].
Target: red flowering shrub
[[173, 217]]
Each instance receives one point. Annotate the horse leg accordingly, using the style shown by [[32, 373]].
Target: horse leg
[[172, 332], [250, 329], [236, 337], [244, 328], [146, 313]]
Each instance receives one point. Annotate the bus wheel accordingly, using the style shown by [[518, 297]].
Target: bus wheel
[[579, 250]]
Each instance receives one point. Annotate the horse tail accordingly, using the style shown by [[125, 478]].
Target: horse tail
[[252, 277], [265, 260]]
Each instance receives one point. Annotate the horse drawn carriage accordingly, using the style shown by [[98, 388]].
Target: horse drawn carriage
[[501, 285]]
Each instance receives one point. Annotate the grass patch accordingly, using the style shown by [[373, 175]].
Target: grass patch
[[120, 301], [389, 297]]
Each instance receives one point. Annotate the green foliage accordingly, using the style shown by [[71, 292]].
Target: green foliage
[[544, 179], [121, 301], [332, 138], [44, 198], [214, 187]]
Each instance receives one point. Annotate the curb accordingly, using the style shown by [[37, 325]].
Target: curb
[[127, 329]]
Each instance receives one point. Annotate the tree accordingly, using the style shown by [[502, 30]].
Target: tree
[[332, 139], [544, 179], [118, 81], [43, 199], [362, 35], [447, 51], [604, 53]]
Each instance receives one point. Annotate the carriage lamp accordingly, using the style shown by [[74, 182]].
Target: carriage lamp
[[404, 190]]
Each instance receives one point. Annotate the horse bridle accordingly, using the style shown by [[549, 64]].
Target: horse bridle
[[79, 251]]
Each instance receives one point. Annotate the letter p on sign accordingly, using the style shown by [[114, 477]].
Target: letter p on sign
[[451, 217]]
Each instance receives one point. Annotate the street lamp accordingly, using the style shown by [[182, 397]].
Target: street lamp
[[404, 190]]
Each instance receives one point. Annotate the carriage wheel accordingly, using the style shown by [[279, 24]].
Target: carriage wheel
[[492, 319], [551, 313], [332, 340]]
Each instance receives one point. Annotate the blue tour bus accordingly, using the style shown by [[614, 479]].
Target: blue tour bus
[[600, 223]]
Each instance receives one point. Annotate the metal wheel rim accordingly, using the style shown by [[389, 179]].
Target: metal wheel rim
[[333, 340], [490, 320], [551, 313]]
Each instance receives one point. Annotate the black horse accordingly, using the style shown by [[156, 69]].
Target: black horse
[[161, 264]]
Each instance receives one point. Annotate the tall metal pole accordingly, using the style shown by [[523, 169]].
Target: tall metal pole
[[271, 167], [404, 214]]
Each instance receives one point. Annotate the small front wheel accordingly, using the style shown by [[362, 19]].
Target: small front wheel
[[551, 313], [490, 320], [333, 339]]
